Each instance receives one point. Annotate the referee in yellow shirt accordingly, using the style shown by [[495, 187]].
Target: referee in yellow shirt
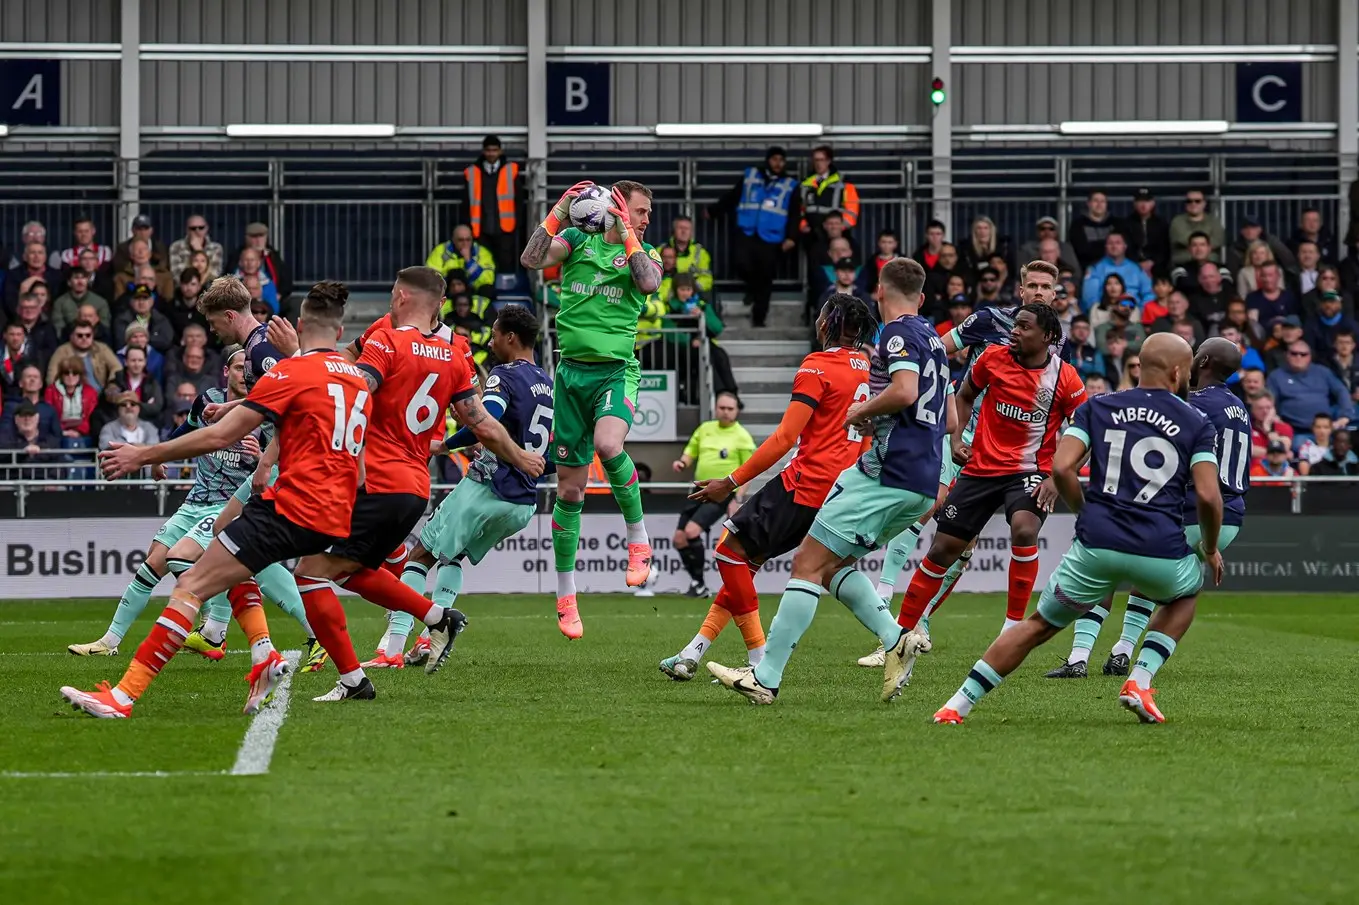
[[716, 449]]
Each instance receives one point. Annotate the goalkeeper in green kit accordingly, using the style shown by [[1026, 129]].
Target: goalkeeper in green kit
[[605, 281]]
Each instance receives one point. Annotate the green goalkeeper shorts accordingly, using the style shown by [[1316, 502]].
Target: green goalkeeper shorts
[[584, 392]]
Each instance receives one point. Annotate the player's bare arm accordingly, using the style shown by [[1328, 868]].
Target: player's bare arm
[[492, 434], [120, 459], [1209, 491], [214, 411], [903, 391], [646, 272], [1066, 469], [260, 479], [965, 399], [542, 251]]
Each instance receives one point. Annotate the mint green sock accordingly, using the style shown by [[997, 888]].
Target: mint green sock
[[794, 616], [1156, 650], [1135, 619], [852, 588], [1087, 630], [623, 479], [218, 610], [951, 577], [134, 599], [899, 550], [981, 680], [416, 577], [448, 583], [565, 533], [278, 584]]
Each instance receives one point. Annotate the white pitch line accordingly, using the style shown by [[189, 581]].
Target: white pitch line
[[257, 748], [103, 774]]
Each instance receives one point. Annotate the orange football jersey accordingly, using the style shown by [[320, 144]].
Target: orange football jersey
[[420, 377], [829, 382], [320, 404], [444, 332]]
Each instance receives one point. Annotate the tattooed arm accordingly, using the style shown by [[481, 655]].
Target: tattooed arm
[[646, 273], [494, 437], [543, 250]]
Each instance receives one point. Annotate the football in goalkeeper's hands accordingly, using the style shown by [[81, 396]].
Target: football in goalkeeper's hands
[[590, 210]]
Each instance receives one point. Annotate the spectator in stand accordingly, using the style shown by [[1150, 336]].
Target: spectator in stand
[[1066, 278], [141, 229], [1252, 384], [1238, 253], [135, 272], [94, 360], [137, 337], [1309, 260], [1236, 316], [1114, 353], [33, 269], [128, 427], [1258, 254], [1328, 280], [1313, 450], [1055, 253], [195, 336], [1122, 319], [1007, 283], [1066, 311], [185, 391], [822, 274], [1322, 328], [988, 289], [251, 264], [1080, 351], [100, 278], [983, 241], [23, 432], [1195, 219], [1096, 385], [66, 309], [1281, 332], [1159, 306], [1187, 330], [959, 310], [1111, 296], [1213, 293], [1088, 231], [690, 257], [196, 238], [84, 233], [463, 253], [30, 390], [1177, 309], [1344, 362], [272, 265], [846, 281], [90, 315], [688, 303], [1274, 465], [1187, 276], [1132, 372], [141, 310], [491, 197], [1311, 229], [663, 292], [943, 282], [74, 401], [1062, 254], [259, 308], [1115, 261], [14, 354], [182, 311], [927, 255], [134, 381], [1147, 235], [1340, 460], [199, 262], [1272, 299], [889, 246], [1250, 357], [1266, 426], [41, 340], [823, 192], [174, 416], [33, 231], [766, 202], [1302, 388]]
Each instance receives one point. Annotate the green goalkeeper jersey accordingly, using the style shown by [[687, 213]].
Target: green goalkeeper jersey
[[599, 302]]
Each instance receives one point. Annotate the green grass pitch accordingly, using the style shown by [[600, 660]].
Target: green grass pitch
[[533, 769]]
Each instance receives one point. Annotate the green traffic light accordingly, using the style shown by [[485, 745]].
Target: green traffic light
[[937, 97]]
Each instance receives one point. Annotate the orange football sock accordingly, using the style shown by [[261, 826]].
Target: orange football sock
[[245, 606], [161, 644], [751, 629], [717, 619]]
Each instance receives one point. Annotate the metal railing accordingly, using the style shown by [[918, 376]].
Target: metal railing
[[359, 217]]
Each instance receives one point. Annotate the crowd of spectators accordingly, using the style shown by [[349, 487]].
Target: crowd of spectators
[[105, 343]]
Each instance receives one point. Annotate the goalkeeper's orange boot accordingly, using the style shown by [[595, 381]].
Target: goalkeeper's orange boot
[[98, 703], [568, 617], [1141, 701], [639, 564]]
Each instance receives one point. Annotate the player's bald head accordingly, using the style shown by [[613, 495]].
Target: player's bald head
[[1218, 357], [1166, 359]]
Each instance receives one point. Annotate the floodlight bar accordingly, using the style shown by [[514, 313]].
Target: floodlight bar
[[1138, 127], [739, 130], [311, 130]]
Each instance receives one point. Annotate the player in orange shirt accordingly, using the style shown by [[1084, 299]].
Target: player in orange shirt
[[320, 404], [776, 519], [414, 376]]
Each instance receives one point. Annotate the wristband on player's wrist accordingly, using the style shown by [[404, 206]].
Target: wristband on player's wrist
[[630, 244], [735, 485], [552, 223]]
